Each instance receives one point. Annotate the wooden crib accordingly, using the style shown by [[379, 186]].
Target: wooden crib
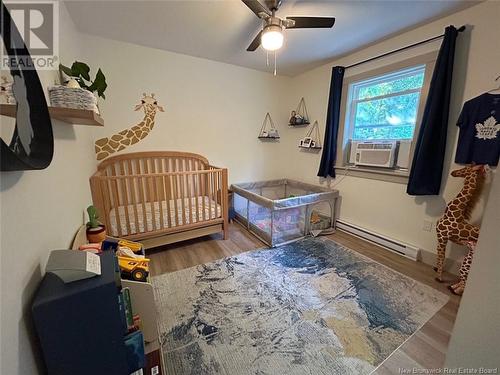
[[160, 197]]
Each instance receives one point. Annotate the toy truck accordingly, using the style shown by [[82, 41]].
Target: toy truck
[[136, 269]]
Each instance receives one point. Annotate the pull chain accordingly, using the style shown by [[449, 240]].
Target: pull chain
[[267, 58], [274, 63]]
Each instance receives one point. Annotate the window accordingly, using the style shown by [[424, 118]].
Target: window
[[383, 105], [386, 107]]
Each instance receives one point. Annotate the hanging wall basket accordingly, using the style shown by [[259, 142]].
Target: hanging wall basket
[[268, 131], [311, 140], [299, 117]]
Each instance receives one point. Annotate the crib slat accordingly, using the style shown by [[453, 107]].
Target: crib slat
[[175, 191], [196, 188], [106, 202], [204, 195], [152, 202], [149, 182], [174, 197], [124, 193], [161, 188], [160, 202], [116, 204], [214, 176], [161, 195], [219, 193], [134, 202], [209, 193], [180, 191], [182, 196], [190, 195], [133, 196], [142, 201], [142, 195], [167, 199]]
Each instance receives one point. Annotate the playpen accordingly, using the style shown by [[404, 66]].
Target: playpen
[[160, 197], [281, 211]]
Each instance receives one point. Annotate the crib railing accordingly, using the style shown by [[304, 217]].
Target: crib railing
[[163, 202]]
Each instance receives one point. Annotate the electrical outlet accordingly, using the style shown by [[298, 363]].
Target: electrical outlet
[[427, 226]]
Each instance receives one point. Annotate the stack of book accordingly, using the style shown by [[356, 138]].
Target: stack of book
[[134, 339]]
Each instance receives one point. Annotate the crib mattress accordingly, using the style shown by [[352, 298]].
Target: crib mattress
[[211, 208]]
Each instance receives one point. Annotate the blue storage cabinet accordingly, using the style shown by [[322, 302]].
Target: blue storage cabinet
[[80, 325]]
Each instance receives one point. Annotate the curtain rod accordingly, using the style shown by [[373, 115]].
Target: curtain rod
[[460, 29]]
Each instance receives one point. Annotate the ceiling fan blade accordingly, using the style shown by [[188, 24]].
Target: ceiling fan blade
[[255, 42], [311, 22], [256, 7]]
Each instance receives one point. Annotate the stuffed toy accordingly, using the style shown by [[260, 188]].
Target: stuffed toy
[[454, 225]]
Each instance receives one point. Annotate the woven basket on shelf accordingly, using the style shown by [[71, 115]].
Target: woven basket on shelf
[[77, 98]]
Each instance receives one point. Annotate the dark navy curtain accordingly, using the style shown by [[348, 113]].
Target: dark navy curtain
[[427, 165], [327, 165]]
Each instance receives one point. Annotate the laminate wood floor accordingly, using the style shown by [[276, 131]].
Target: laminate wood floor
[[425, 349]]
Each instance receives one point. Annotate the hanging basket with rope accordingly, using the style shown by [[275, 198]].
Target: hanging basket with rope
[[268, 130], [312, 139], [299, 117]]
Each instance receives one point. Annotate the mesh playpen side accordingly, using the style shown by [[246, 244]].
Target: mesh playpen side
[[282, 211]]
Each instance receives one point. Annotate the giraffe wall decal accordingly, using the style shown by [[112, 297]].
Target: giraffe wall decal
[[453, 226], [127, 137]]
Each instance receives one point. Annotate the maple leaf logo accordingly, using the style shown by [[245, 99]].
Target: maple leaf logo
[[487, 130]]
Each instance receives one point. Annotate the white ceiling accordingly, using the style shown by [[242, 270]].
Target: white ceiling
[[221, 30]]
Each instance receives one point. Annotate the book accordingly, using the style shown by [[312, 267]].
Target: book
[[123, 316], [128, 308], [134, 346]]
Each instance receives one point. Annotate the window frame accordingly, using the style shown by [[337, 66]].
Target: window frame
[[355, 87], [345, 131]]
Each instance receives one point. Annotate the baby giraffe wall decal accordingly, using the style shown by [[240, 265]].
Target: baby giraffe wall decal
[[127, 137]]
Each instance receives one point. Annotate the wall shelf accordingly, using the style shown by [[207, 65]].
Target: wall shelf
[[304, 124], [268, 137], [68, 115], [310, 148]]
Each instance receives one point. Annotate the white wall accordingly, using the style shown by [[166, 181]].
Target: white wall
[[382, 206], [211, 108], [40, 211], [475, 342]]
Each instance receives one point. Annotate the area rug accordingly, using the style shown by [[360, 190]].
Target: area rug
[[311, 307]]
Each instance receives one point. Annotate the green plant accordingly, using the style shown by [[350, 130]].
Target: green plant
[[81, 73], [93, 217]]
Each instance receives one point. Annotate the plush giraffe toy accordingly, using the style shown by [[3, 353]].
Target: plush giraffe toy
[[458, 288], [453, 226], [119, 141]]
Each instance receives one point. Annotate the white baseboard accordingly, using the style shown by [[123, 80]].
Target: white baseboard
[[407, 250], [401, 248]]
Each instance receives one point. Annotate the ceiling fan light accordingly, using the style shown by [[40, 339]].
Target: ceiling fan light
[[272, 38]]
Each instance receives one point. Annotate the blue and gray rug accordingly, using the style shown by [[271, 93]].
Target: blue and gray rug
[[311, 307]]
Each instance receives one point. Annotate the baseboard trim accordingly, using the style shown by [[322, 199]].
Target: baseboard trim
[[408, 251], [417, 254]]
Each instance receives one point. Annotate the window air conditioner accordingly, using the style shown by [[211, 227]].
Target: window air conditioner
[[373, 154]]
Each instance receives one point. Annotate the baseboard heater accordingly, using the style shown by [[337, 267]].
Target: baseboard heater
[[404, 249]]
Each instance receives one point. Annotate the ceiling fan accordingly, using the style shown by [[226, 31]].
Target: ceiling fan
[[271, 36]]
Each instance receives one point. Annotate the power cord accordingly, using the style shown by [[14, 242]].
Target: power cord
[[347, 170]]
